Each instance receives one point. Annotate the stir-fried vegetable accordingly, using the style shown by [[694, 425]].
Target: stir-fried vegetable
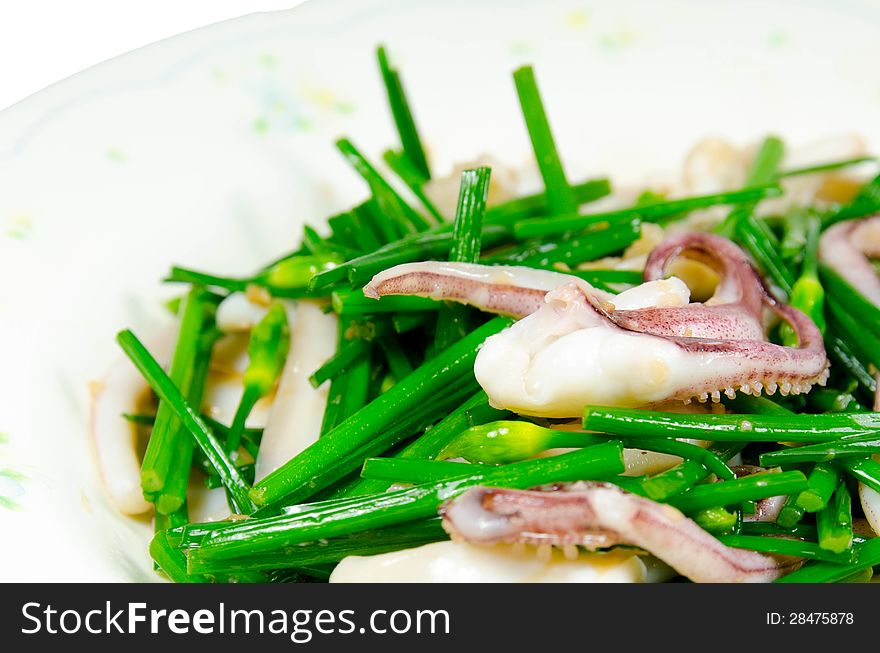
[[165, 469], [168, 392], [566, 223], [408, 429], [345, 516], [403, 410]]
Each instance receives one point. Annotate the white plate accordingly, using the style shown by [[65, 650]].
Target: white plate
[[213, 147]]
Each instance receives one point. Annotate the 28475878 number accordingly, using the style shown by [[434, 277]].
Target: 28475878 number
[[810, 618]]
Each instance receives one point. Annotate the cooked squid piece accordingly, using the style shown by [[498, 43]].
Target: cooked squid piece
[[870, 500], [460, 562], [508, 289], [643, 346], [847, 248], [504, 289], [238, 313], [120, 392], [294, 420], [600, 515]]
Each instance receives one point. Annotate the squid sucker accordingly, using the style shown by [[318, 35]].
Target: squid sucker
[[576, 345], [601, 515]]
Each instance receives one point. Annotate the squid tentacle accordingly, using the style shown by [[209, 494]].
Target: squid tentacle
[[674, 349], [740, 283], [752, 365], [600, 515], [733, 312], [506, 290]]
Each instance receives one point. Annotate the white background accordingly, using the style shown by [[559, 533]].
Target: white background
[[44, 41]]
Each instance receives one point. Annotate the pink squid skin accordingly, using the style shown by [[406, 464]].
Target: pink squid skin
[[845, 248], [491, 288], [766, 510], [728, 325], [735, 311], [514, 301], [600, 515], [772, 367], [738, 300]]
